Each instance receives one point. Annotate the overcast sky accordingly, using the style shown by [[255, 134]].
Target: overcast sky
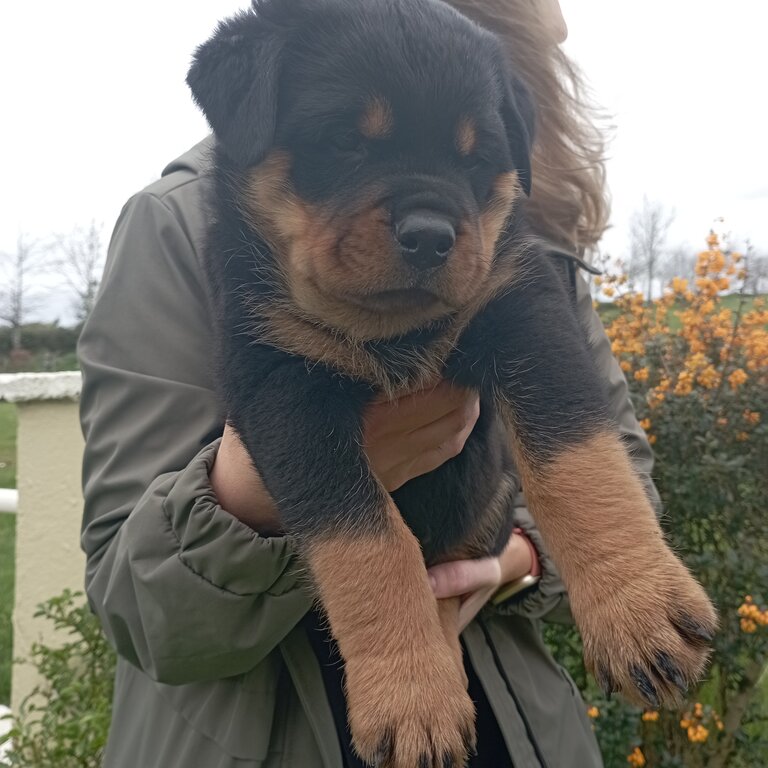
[[95, 105]]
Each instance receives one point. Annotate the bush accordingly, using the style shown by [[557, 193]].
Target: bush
[[46, 347], [698, 374], [64, 722]]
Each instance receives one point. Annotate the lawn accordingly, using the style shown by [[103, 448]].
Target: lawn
[[7, 445], [7, 537], [7, 540]]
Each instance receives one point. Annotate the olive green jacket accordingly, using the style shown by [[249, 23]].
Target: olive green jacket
[[214, 669]]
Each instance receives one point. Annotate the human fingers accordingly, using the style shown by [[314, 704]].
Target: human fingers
[[415, 411], [404, 453], [461, 577]]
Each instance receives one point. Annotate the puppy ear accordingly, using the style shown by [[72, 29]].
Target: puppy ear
[[233, 79], [519, 116]]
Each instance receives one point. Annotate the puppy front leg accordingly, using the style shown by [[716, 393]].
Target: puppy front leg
[[406, 699], [644, 619]]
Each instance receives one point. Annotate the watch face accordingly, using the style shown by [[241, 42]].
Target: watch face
[[515, 588]]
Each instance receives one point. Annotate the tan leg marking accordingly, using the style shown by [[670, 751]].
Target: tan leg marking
[[629, 593], [448, 611], [406, 698]]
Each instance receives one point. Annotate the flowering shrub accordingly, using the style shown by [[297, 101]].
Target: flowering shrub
[[697, 365]]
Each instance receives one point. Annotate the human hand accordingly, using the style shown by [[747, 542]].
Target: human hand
[[417, 433], [403, 439], [476, 581]]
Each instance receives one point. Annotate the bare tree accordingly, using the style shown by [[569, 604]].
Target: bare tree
[[18, 294], [648, 234], [679, 262], [80, 260], [756, 265]]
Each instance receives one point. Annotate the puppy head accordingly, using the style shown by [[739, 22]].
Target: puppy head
[[378, 146]]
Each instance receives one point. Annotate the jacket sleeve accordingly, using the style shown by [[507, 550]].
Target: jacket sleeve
[[549, 599], [183, 589]]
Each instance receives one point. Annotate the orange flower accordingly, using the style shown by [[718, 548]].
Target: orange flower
[[737, 378], [748, 626], [709, 378], [636, 759], [697, 734], [593, 712]]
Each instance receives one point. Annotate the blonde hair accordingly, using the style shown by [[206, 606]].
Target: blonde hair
[[569, 202]]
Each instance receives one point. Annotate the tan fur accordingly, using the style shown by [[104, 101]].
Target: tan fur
[[402, 683], [377, 121], [505, 191], [624, 582], [448, 613], [271, 206], [466, 136]]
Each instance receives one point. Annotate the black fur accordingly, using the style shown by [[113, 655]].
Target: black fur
[[291, 75]]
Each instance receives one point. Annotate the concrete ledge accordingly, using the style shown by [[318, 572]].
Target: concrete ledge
[[25, 387]]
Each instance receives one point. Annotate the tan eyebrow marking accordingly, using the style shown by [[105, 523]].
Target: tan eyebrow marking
[[377, 121], [466, 136]]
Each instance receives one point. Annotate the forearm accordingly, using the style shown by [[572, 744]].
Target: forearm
[[240, 490], [182, 588]]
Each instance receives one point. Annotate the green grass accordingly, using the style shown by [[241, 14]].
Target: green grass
[[7, 445], [608, 311], [7, 546], [7, 541]]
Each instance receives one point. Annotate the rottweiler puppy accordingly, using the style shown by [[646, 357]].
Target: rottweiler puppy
[[368, 235]]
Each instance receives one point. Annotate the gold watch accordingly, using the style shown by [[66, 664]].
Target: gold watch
[[514, 588]]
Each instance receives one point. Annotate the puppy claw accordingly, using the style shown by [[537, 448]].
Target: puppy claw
[[605, 681], [645, 686], [693, 631], [670, 671], [383, 756]]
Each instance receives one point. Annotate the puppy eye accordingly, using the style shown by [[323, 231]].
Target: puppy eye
[[352, 141], [476, 162]]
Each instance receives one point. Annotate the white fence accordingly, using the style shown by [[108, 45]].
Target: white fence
[[9, 499], [48, 506]]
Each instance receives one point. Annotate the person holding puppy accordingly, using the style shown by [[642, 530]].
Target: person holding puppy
[[222, 661]]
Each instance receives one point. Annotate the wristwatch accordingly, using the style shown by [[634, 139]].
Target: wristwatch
[[515, 588]]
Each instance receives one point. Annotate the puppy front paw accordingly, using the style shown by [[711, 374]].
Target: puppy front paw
[[410, 711], [647, 636]]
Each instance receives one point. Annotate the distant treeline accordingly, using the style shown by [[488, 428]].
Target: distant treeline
[[44, 347]]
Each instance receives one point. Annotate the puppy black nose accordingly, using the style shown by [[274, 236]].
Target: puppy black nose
[[426, 239]]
